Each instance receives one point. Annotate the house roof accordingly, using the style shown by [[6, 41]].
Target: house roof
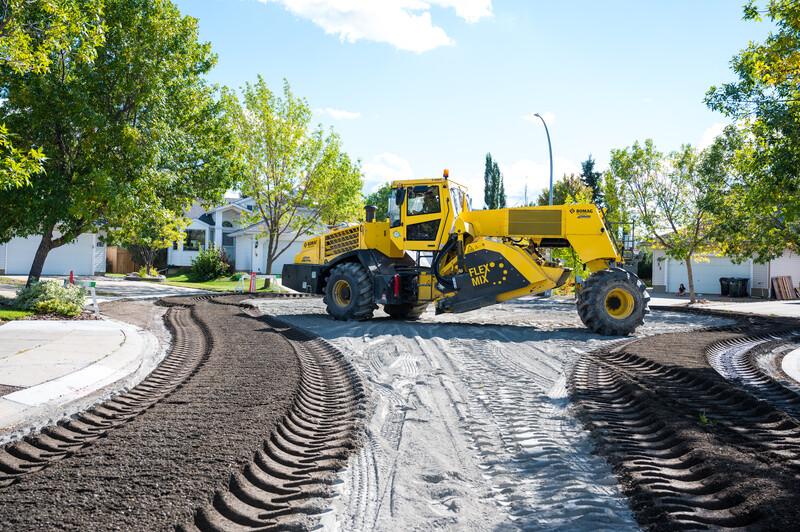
[[197, 212], [258, 228]]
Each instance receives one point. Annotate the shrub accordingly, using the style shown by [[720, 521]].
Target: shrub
[[210, 264], [144, 273], [51, 296]]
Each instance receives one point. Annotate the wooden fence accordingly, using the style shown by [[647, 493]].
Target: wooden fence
[[118, 260]]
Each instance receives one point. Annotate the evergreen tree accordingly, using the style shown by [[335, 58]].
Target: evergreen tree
[[494, 192], [488, 175], [592, 180]]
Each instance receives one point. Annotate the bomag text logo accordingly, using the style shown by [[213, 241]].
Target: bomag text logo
[[479, 275], [581, 211], [310, 243]]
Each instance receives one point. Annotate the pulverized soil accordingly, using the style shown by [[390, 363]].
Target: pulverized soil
[[152, 473]]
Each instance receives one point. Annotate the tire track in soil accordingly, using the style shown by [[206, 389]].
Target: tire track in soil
[[477, 432], [286, 483], [157, 466], [59, 441], [692, 449], [739, 362]]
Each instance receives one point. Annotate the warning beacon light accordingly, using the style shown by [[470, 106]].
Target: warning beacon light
[[446, 173]]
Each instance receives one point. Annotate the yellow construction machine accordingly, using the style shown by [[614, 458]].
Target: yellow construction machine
[[433, 248]]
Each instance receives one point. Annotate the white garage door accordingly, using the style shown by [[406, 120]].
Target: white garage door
[[706, 274], [77, 256], [788, 264], [287, 257]]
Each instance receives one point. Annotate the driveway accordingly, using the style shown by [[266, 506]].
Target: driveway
[[118, 286]]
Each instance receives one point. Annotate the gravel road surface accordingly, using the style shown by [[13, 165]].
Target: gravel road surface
[[471, 427]]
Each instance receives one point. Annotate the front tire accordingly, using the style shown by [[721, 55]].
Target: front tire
[[613, 302], [348, 293], [405, 311]]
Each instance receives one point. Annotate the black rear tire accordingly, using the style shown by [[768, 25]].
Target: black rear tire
[[613, 302], [348, 293], [405, 311]]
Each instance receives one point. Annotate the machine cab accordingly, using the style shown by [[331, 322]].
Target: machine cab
[[421, 212]]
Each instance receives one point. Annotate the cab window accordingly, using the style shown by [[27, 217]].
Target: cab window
[[423, 200], [394, 210]]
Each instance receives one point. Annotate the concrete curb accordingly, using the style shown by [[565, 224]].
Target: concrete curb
[[123, 366]]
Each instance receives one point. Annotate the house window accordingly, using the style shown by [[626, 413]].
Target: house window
[[227, 239], [195, 240], [227, 223]]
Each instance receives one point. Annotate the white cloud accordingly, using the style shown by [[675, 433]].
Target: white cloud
[[338, 114], [549, 118], [470, 10], [382, 168], [710, 134], [405, 24]]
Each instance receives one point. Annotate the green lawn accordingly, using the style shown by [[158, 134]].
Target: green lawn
[[223, 284], [8, 314], [12, 313]]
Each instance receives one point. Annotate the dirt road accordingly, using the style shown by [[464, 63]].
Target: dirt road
[[470, 424]]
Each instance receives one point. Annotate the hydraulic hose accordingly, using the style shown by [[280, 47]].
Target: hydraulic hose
[[447, 282]]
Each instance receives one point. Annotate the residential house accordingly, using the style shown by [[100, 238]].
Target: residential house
[[243, 244], [86, 255], [669, 274]]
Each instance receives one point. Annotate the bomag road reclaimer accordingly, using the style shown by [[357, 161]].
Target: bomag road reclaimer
[[434, 249]]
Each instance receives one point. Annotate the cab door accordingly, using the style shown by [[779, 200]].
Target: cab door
[[425, 214]]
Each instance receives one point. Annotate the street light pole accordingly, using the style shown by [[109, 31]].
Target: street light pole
[[548, 293], [550, 147]]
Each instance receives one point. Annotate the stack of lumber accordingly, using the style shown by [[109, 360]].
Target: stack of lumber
[[783, 288]]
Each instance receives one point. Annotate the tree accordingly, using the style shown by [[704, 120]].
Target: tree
[[569, 189], [16, 166], [592, 180], [297, 177], [754, 218], [380, 199], [494, 191], [146, 232], [137, 129], [671, 198], [763, 157], [29, 33]]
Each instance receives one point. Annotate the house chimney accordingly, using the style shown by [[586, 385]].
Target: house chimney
[[370, 212]]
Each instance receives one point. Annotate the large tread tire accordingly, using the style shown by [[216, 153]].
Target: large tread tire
[[599, 300], [348, 293], [405, 311]]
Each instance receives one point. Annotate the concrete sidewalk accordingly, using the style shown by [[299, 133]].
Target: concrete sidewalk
[[51, 369]]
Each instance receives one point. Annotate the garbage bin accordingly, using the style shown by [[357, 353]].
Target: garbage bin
[[738, 286], [724, 286]]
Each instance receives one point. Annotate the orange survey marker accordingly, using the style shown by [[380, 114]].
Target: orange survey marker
[[252, 281]]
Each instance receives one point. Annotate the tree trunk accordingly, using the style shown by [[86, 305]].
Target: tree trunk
[[692, 299], [41, 255]]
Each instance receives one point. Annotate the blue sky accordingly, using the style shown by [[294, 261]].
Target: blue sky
[[416, 86]]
